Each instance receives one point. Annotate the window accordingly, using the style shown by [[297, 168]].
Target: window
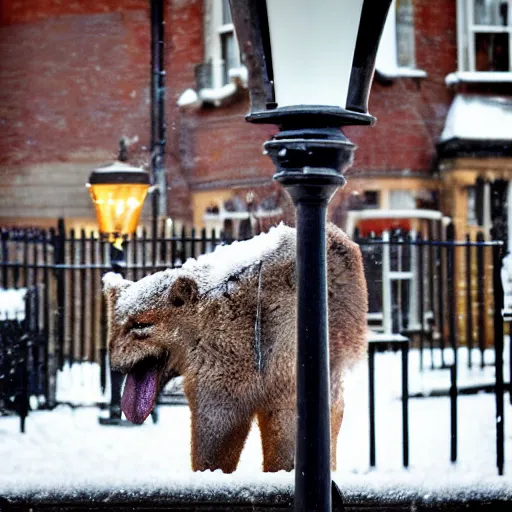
[[484, 35], [405, 34], [476, 199], [221, 47], [396, 55], [370, 199], [471, 218], [401, 200], [366, 200], [229, 48]]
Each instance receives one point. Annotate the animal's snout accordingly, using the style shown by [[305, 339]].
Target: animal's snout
[[126, 353]]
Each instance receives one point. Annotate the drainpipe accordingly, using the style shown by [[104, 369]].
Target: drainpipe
[[159, 197]]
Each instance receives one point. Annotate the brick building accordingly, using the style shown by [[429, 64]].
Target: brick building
[[75, 78]]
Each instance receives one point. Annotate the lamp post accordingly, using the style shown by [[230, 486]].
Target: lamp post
[[118, 192], [311, 65]]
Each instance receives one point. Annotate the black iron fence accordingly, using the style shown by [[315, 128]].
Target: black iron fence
[[23, 359], [437, 291], [437, 295], [67, 267], [440, 294]]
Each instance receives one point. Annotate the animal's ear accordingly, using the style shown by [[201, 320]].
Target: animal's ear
[[113, 284], [183, 291]]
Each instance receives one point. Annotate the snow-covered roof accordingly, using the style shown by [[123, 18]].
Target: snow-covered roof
[[480, 118]]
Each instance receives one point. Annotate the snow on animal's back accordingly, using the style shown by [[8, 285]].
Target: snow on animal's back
[[212, 269], [209, 271]]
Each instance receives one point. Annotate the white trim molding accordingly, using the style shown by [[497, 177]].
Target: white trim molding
[[478, 77]]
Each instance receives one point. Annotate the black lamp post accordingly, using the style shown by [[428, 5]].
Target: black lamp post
[[118, 192], [311, 66]]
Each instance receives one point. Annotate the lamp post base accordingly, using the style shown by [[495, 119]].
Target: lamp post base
[[309, 165]]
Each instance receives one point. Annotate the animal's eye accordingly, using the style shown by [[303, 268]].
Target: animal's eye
[[177, 302], [140, 329], [140, 325]]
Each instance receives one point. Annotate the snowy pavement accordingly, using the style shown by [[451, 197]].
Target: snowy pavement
[[67, 446]]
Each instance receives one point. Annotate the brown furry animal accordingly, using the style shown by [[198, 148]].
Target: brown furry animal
[[201, 322]]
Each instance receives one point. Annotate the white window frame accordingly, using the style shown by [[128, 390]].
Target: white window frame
[[466, 30], [215, 28], [387, 55]]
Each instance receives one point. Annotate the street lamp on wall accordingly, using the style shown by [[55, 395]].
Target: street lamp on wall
[[118, 192], [311, 66]]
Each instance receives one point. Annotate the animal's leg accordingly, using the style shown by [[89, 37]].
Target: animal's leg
[[277, 428], [218, 436], [337, 408]]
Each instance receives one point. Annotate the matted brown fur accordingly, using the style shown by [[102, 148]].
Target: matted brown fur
[[209, 339]]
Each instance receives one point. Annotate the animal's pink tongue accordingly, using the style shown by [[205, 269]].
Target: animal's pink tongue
[[139, 394]]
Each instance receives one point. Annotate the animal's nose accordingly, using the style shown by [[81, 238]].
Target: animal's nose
[[125, 353], [119, 360]]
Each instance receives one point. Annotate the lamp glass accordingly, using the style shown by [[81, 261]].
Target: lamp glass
[[313, 45], [118, 206]]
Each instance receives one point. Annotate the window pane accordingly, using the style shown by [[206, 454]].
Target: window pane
[[367, 200], [401, 200], [492, 52], [226, 12], [228, 54], [471, 207], [370, 199], [405, 33], [491, 12]]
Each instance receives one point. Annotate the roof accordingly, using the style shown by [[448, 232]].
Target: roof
[[478, 125]]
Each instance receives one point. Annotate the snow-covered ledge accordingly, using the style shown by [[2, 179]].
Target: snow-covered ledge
[[215, 96], [478, 77], [258, 492], [401, 72]]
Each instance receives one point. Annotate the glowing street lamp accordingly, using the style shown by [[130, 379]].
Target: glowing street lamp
[[311, 66], [118, 192]]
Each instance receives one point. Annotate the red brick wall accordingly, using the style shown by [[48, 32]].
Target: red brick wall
[[411, 113], [184, 51], [26, 11], [227, 145], [72, 80], [75, 78], [220, 146]]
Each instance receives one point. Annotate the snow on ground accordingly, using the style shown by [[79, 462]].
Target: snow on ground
[[68, 446], [12, 304]]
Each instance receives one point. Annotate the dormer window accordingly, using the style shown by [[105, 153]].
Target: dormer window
[[484, 35]]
